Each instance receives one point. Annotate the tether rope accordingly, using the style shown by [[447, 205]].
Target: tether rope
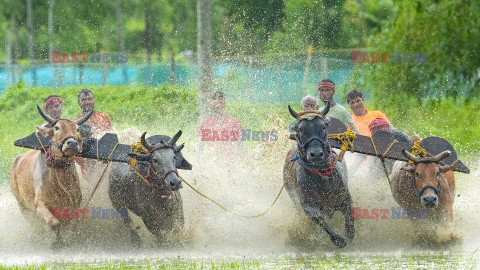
[[233, 212]]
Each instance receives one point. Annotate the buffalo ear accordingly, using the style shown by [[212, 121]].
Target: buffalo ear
[[408, 168], [446, 168], [46, 132], [177, 149]]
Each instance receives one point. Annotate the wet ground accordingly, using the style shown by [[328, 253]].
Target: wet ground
[[283, 238]]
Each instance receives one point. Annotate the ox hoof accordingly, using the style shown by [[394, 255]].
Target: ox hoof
[[339, 241]]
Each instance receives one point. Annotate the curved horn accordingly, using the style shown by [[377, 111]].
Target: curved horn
[[292, 112], [409, 155], [174, 139], [145, 143], [45, 116], [442, 155], [84, 118], [326, 109]]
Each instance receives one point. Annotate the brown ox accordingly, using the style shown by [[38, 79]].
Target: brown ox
[[42, 180], [425, 184]]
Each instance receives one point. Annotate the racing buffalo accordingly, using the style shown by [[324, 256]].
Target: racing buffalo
[[152, 190], [425, 184], [45, 179], [315, 182]]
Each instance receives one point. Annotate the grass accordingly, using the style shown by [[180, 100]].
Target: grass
[[426, 260], [166, 109]]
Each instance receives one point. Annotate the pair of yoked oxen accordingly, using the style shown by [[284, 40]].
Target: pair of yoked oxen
[[42, 180]]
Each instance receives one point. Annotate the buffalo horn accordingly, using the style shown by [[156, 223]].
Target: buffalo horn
[[326, 109], [84, 118], [442, 155], [409, 155], [177, 149], [145, 143], [175, 138], [45, 116], [292, 112]]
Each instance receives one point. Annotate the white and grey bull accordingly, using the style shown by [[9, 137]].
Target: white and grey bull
[[155, 198], [314, 181], [42, 180]]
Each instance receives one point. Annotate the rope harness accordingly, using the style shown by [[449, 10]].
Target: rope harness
[[50, 160], [414, 185], [328, 165], [418, 151], [382, 157]]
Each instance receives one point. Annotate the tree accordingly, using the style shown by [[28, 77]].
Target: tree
[[451, 64], [204, 54]]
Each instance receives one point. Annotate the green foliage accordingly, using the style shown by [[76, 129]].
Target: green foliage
[[421, 27], [365, 18]]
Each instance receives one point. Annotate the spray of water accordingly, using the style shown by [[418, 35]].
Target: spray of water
[[246, 185]]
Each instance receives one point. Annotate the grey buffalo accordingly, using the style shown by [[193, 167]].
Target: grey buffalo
[[152, 191]]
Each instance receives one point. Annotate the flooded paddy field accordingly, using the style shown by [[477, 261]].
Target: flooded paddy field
[[283, 238]]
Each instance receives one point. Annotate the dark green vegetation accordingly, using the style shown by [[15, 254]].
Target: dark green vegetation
[[357, 261], [442, 29], [165, 110]]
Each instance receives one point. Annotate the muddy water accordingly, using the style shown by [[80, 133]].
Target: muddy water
[[245, 185]]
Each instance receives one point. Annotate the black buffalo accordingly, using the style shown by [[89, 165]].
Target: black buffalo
[[313, 182], [156, 198]]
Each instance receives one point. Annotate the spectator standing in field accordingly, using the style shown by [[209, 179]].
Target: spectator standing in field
[[326, 90], [220, 131], [361, 116]]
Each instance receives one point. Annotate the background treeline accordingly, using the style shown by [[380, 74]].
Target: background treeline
[[159, 27], [447, 30]]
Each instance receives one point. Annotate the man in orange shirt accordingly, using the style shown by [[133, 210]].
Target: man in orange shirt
[[361, 116]]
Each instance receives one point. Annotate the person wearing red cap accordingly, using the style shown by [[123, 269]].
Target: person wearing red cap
[[326, 90], [53, 106], [382, 124], [361, 116]]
